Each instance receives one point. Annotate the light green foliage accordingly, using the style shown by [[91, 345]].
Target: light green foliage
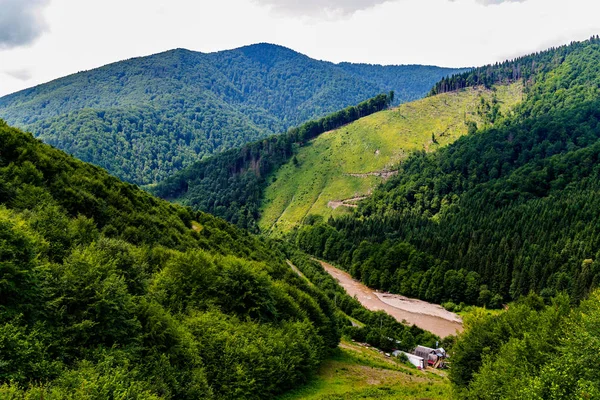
[[231, 185], [531, 352], [111, 378], [322, 177]]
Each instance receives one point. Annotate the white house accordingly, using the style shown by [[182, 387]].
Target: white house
[[417, 361]]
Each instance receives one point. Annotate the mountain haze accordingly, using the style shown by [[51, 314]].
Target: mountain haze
[[145, 118]]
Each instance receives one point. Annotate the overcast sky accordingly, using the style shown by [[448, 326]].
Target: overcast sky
[[41, 40]]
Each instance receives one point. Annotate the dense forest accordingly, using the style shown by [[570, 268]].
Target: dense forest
[[231, 185], [534, 350], [144, 119], [108, 292], [505, 211]]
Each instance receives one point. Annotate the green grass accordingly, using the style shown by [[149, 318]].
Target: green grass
[[355, 372], [375, 143]]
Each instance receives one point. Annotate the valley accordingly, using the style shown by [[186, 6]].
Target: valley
[[257, 224]]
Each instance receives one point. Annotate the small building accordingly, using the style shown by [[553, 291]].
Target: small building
[[417, 361], [433, 357]]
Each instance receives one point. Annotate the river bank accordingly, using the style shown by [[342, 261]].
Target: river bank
[[427, 316]]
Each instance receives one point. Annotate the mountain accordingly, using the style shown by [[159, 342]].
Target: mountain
[[273, 185], [507, 210], [231, 185], [144, 119]]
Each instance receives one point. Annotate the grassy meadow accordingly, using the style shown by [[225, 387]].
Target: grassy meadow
[[356, 372], [335, 166]]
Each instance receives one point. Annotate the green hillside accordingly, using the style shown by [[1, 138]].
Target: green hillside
[[107, 292], [231, 185], [506, 218], [144, 119], [509, 210], [333, 171], [532, 351]]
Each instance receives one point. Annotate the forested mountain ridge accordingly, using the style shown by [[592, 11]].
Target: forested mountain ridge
[[499, 213], [520, 69], [334, 171], [146, 118]]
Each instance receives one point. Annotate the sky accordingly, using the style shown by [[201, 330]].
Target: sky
[[41, 40]]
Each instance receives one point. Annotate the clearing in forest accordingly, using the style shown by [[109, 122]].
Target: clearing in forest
[[351, 161]]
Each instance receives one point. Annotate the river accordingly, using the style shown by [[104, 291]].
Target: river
[[427, 316]]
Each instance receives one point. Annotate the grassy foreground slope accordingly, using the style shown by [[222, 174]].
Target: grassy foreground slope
[[349, 162], [357, 372]]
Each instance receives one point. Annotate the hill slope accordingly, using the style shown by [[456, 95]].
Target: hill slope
[[509, 210], [357, 372], [231, 184], [107, 291], [146, 118], [350, 162]]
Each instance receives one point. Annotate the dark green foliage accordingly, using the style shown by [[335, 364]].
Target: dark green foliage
[[531, 351], [144, 119], [502, 212], [231, 184], [107, 292]]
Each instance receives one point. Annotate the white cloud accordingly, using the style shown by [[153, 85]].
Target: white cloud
[[320, 7], [497, 2], [21, 22]]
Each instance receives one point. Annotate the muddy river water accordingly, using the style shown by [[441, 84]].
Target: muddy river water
[[430, 317]]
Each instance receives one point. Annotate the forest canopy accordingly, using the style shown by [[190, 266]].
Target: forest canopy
[[106, 291]]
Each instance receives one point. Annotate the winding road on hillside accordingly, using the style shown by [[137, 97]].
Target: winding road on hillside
[[427, 316]]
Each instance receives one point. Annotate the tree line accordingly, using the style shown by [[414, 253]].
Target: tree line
[[522, 68]]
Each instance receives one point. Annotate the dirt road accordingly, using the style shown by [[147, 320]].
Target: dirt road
[[430, 317]]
